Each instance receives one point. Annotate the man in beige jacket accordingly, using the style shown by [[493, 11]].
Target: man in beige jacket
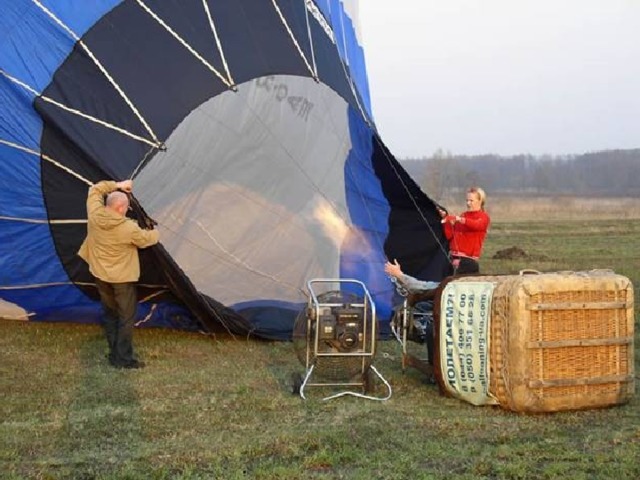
[[111, 250]]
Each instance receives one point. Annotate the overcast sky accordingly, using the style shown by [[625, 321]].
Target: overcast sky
[[503, 76]]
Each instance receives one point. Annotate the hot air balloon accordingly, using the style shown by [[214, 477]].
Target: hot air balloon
[[247, 128]]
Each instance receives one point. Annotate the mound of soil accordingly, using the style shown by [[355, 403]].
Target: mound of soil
[[516, 253]]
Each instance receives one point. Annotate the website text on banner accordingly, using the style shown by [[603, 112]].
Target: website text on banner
[[464, 340]]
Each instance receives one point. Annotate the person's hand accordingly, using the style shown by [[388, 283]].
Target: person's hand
[[441, 212], [452, 219], [393, 269], [125, 185]]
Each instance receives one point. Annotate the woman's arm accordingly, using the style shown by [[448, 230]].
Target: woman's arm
[[478, 223]]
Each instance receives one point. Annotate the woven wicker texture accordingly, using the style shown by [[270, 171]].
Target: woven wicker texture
[[561, 341]]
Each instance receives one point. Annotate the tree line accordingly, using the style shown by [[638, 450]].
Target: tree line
[[610, 173]]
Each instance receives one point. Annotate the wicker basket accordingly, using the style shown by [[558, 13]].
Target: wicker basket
[[560, 341]]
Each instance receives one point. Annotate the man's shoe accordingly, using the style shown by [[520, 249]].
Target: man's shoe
[[134, 364], [129, 365]]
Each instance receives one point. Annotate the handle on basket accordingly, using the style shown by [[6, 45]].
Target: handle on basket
[[602, 271], [530, 271]]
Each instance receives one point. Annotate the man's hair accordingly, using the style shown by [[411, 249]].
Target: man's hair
[[115, 199]]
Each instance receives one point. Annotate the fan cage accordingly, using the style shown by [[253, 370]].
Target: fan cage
[[335, 334]]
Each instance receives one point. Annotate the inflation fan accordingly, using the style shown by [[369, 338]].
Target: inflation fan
[[335, 339]]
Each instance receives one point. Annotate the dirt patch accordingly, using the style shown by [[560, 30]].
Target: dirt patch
[[517, 253]]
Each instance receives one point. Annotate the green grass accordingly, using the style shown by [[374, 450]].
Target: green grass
[[221, 408], [568, 245]]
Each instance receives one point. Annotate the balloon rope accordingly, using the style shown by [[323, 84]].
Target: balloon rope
[[84, 284], [47, 158], [74, 111], [41, 221], [141, 164], [410, 196], [313, 53], [41, 285], [218, 43], [183, 42], [366, 118], [295, 42], [101, 68], [347, 76]]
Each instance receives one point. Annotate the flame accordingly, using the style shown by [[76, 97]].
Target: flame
[[347, 238], [333, 226]]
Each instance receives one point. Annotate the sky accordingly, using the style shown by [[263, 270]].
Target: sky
[[506, 77]]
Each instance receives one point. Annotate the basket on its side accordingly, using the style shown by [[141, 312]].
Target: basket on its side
[[560, 341]]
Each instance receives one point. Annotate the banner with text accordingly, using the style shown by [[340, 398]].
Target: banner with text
[[465, 317]]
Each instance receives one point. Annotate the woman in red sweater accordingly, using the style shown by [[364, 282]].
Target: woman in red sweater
[[466, 232]]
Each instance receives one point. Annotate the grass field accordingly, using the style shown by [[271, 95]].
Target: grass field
[[221, 408]]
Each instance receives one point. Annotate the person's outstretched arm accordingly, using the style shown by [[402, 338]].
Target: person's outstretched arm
[[411, 283]]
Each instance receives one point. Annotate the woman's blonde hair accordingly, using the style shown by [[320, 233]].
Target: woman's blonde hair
[[481, 195]]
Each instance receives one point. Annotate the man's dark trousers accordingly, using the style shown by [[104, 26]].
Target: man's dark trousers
[[120, 303]]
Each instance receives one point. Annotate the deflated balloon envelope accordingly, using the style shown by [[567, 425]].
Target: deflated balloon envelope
[[247, 130]]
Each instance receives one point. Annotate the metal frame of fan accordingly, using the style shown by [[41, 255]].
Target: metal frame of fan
[[403, 324], [335, 339]]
